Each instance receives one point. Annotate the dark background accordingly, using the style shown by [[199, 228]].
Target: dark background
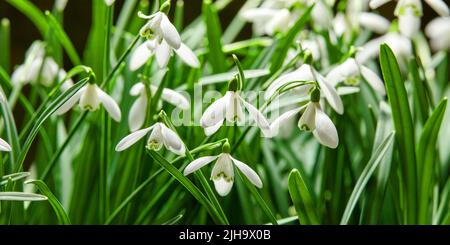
[[77, 21]]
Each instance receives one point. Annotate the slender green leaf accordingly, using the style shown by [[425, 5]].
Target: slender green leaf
[[21, 196], [59, 210], [188, 185], [63, 38], [216, 57], [33, 13], [13, 177], [5, 43], [420, 96], [366, 174], [302, 199], [398, 99], [426, 159], [43, 116]]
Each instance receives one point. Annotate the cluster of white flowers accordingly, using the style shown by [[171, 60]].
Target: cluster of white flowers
[[314, 79]]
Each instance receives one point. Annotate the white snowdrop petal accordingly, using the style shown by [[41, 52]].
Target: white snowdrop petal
[[188, 56], [222, 186], [172, 141], [70, 102], [325, 131], [370, 50], [343, 71], [441, 43], [162, 53], [400, 45], [256, 14], [170, 33], [251, 175], [308, 118], [110, 105], [66, 84], [211, 130], [377, 3], [132, 138], [139, 56], [259, 118], [215, 112], [89, 99], [330, 94], [137, 88], [19, 75], [280, 121], [109, 2], [439, 6], [374, 81], [175, 98], [4, 146], [374, 22], [438, 26], [303, 73], [409, 23], [223, 174], [279, 22], [198, 163], [137, 114]]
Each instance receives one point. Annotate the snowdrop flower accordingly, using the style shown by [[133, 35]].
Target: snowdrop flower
[[437, 5], [400, 45], [223, 171], [307, 73], [38, 68], [438, 30], [162, 53], [89, 97], [321, 14], [159, 135], [313, 120], [136, 117], [229, 108], [61, 4], [374, 22], [349, 69], [109, 2], [268, 21], [163, 39], [4, 146], [409, 13]]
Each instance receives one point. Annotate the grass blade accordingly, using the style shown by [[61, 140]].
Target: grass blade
[[214, 34], [420, 96], [404, 129], [188, 185], [302, 199], [60, 212], [63, 38], [21, 196], [5, 43], [33, 13], [426, 159], [366, 174]]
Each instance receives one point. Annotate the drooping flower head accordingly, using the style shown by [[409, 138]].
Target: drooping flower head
[[90, 96], [39, 68], [230, 108], [222, 173], [313, 119], [162, 40], [159, 135]]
